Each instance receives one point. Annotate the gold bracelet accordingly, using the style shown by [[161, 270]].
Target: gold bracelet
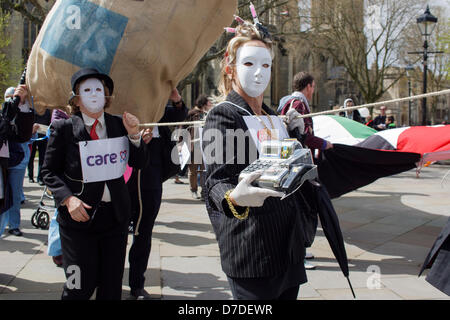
[[233, 209]]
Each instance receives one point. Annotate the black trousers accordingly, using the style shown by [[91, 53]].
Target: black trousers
[[94, 258], [256, 289], [142, 243], [42, 147]]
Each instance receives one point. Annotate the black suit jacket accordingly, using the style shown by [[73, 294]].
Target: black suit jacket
[[270, 239], [62, 173]]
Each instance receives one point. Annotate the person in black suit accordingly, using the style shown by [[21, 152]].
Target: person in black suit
[[147, 193], [93, 216], [260, 237]]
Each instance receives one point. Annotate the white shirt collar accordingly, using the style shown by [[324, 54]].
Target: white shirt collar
[[88, 121]]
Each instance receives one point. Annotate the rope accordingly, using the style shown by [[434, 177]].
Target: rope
[[374, 104]]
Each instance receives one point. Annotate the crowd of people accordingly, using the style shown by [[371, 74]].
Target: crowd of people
[[94, 211]]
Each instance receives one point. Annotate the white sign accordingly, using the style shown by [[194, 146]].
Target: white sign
[[185, 155], [259, 133], [104, 159]]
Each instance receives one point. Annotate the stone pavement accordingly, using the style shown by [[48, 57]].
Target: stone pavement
[[388, 226]]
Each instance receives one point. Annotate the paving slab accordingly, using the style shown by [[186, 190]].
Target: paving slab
[[361, 294], [413, 288], [388, 226]]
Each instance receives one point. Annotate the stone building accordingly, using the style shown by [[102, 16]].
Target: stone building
[[333, 84]]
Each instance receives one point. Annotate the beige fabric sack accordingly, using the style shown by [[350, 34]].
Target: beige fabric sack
[[146, 46]]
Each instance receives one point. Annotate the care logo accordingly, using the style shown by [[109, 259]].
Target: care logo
[[108, 158], [104, 159]]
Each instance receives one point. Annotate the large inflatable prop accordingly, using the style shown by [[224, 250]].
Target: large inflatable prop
[[146, 46]]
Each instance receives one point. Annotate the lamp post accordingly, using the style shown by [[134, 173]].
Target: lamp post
[[409, 68], [426, 23]]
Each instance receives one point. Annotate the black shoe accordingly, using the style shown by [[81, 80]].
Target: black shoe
[[30, 180], [140, 294], [16, 232]]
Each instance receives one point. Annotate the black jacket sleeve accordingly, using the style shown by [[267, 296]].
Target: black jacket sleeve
[[221, 176], [54, 162], [174, 114]]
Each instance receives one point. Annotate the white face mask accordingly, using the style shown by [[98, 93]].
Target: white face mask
[[253, 66], [92, 95]]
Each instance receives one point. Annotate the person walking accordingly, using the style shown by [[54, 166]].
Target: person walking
[[93, 209], [260, 237], [196, 166], [145, 187]]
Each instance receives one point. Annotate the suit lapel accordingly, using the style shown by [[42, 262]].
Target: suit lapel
[[79, 130], [112, 129]]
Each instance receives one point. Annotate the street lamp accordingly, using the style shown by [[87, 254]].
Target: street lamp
[[409, 68], [427, 23]]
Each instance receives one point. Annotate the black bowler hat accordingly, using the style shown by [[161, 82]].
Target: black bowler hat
[[87, 73]]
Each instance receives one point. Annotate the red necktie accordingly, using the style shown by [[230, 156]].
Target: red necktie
[[93, 134]]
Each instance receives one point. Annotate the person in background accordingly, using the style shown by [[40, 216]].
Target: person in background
[[16, 175], [283, 101], [14, 154], [54, 241], [146, 187], [196, 166], [353, 115], [390, 122], [40, 145], [379, 123], [369, 121], [303, 86]]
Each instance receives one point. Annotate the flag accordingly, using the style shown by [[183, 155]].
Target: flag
[[337, 129]]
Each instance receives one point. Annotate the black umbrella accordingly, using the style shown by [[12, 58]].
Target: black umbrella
[[332, 230], [438, 260]]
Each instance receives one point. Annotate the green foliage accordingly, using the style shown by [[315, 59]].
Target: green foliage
[[9, 68]]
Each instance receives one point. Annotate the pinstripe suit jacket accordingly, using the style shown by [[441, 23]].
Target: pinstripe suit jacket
[[270, 239]]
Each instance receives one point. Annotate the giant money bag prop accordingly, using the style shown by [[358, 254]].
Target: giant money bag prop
[[146, 46]]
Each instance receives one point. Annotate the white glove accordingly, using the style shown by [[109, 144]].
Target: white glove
[[246, 195], [293, 122]]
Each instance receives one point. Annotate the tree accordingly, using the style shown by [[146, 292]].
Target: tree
[[8, 67], [265, 9], [438, 75], [365, 37], [33, 10]]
